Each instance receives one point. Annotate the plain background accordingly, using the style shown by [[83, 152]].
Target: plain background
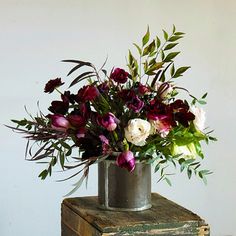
[[36, 35]]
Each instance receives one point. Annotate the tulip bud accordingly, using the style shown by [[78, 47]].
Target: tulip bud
[[59, 122], [108, 121], [126, 160]]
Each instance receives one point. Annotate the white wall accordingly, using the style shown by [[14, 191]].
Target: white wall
[[36, 35]]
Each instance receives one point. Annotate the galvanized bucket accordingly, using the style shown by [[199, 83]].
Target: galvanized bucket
[[120, 190]]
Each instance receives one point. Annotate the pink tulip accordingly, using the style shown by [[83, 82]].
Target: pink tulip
[[59, 122], [126, 160], [108, 121]]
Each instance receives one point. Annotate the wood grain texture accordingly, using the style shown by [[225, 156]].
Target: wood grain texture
[[83, 216]]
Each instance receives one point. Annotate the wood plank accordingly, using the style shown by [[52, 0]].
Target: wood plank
[[74, 225], [164, 218]]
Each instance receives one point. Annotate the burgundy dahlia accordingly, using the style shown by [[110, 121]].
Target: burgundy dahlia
[[87, 93], [52, 84], [119, 75]]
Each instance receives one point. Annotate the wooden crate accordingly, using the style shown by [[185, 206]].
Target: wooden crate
[[82, 217]]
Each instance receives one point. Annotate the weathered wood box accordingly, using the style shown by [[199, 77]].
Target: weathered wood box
[[82, 217]]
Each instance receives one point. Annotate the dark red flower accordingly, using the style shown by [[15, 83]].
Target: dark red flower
[[76, 120], [52, 84], [85, 110], [126, 94], [179, 104], [87, 93], [126, 160], [143, 89], [181, 112], [136, 104], [60, 107], [69, 97], [103, 87], [119, 75], [156, 110]]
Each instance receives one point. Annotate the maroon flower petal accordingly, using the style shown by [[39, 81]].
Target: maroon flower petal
[[119, 75], [52, 84], [87, 93], [76, 120], [136, 104]]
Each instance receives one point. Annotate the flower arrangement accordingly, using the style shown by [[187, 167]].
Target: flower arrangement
[[127, 114]]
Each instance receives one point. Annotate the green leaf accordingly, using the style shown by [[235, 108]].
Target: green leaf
[[165, 35], [62, 159], [138, 48], [158, 42], [20, 122], [202, 102], [172, 70], [154, 67], [162, 55], [149, 49], [43, 174], [130, 58], [64, 144], [146, 37], [179, 33], [54, 161], [68, 153], [157, 167], [170, 56], [213, 138], [170, 46], [168, 181], [175, 38], [173, 30], [189, 172], [204, 96], [50, 170], [180, 71]]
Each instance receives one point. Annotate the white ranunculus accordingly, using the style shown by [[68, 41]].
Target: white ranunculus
[[188, 151], [137, 131], [200, 117]]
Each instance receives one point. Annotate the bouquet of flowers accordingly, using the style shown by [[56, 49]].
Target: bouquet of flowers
[[125, 114]]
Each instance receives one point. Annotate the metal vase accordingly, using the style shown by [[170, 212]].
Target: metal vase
[[121, 190]]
